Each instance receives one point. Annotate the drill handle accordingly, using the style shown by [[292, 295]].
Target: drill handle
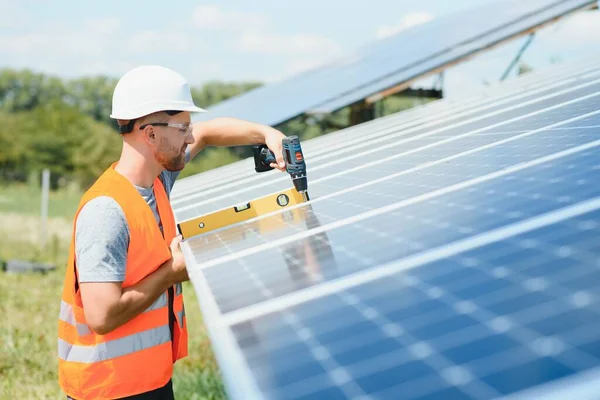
[[263, 157]]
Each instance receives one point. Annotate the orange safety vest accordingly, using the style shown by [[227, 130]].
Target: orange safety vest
[[138, 356]]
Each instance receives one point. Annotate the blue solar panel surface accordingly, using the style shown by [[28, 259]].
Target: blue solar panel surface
[[391, 61], [468, 130], [459, 260], [413, 228], [479, 324]]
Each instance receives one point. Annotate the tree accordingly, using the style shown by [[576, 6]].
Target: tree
[[215, 92]]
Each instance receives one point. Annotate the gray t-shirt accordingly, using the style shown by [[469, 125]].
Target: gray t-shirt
[[102, 234]]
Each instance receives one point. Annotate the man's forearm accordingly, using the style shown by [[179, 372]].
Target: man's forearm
[[137, 298], [228, 132]]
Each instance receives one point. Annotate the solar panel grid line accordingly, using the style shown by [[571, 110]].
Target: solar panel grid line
[[335, 372], [405, 140], [329, 136], [384, 135], [409, 262], [562, 294], [526, 336], [391, 176], [437, 362]]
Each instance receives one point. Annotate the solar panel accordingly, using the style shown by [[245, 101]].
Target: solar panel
[[504, 113], [194, 188], [447, 252], [399, 59]]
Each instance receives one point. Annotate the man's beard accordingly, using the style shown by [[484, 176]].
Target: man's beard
[[171, 158]]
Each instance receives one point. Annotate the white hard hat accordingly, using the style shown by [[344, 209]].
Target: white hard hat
[[148, 89]]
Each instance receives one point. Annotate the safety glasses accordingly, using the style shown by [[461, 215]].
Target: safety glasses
[[184, 129]]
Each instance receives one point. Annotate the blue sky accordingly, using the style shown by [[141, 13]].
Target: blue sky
[[236, 40]]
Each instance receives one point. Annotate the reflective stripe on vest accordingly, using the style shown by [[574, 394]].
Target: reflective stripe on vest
[[67, 315], [180, 315], [113, 348]]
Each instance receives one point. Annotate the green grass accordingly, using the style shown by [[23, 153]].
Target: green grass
[[29, 305], [27, 200]]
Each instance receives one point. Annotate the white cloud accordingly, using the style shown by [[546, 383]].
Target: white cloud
[[262, 42], [10, 15], [296, 66], [96, 36], [58, 44], [22, 44], [204, 71], [580, 29], [215, 18], [99, 66], [154, 41], [103, 26], [406, 22]]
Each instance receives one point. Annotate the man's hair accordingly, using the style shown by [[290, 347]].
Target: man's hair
[[126, 126]]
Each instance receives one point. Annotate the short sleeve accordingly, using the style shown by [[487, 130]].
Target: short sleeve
[[101, 241]]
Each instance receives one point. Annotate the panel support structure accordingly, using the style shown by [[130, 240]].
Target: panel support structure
[[518, 56]]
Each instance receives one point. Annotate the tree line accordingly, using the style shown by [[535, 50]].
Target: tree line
[[64, 125]]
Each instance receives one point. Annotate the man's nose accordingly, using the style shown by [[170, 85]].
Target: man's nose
[[189, 139]]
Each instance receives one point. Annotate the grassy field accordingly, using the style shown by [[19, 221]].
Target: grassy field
[[29, 305]]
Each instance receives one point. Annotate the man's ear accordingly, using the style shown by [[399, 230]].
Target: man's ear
[[149, 134]]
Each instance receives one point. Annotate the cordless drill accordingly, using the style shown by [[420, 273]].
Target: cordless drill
[[294, 162]]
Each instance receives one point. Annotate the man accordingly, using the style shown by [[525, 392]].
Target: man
[[122, 321]]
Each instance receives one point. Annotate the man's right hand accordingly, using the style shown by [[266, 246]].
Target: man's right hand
[[178, 266], [107, 305]]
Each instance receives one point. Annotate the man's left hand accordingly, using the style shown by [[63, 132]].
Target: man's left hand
[[273, 141]]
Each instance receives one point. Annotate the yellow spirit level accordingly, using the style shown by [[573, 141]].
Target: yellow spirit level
[[239, 213]]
